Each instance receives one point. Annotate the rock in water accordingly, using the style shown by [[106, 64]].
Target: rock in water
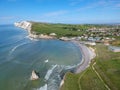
[[34, 76]]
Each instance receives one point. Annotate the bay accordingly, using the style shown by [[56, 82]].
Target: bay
[[19, 56]]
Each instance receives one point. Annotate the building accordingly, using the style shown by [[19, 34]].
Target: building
[[114, 48]]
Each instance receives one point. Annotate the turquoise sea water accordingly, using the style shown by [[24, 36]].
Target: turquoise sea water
[[19, 56]]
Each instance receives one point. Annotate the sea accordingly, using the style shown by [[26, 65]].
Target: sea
[[19, 55]]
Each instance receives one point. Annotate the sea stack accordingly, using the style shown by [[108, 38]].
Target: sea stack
[[34, 76]]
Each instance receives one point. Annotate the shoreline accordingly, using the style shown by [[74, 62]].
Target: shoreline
[[87, 55], [26, 25]]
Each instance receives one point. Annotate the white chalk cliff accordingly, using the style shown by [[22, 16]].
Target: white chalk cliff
[[27, 26], [24, 24]]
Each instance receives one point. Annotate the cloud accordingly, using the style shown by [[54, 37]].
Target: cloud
[[90, 6], [109, 4], [118, 5], [75, 2], [12, 0], [6, 17], [55, 14]]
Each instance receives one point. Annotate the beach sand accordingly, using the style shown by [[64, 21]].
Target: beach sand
[[87, 53]]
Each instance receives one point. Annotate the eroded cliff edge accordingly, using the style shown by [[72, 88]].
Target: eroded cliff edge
[[32, 34]]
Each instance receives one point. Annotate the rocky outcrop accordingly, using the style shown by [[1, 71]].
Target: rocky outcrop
[[34, 76], [62, 81], [65, 39], [42, 36]]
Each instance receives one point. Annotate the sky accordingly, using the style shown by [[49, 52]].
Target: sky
[[60, 11]]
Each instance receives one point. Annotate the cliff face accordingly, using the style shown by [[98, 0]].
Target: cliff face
[[24, 24], [28, 26]]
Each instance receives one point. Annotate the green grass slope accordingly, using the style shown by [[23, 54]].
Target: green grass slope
[[108, 66], [59, 29]]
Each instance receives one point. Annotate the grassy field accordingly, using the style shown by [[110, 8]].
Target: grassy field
[[59, 29], [86, 80], [90, 81], [70, 82], [108, 67]]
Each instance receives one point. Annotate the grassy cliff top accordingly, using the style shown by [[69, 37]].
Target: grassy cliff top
[[59, 29], [64, 29]]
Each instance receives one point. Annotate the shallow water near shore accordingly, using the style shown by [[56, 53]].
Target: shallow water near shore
[[19, 56]]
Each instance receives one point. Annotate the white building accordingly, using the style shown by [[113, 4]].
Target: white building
[[114, 48]]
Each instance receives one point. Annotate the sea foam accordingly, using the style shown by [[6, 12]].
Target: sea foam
[[46, 61], [14, 48], [49, 72]]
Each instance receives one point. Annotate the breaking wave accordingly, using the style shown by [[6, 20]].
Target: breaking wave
[[33, 39], [49, 72], [55, 75], [46, 61], [14, 48]]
